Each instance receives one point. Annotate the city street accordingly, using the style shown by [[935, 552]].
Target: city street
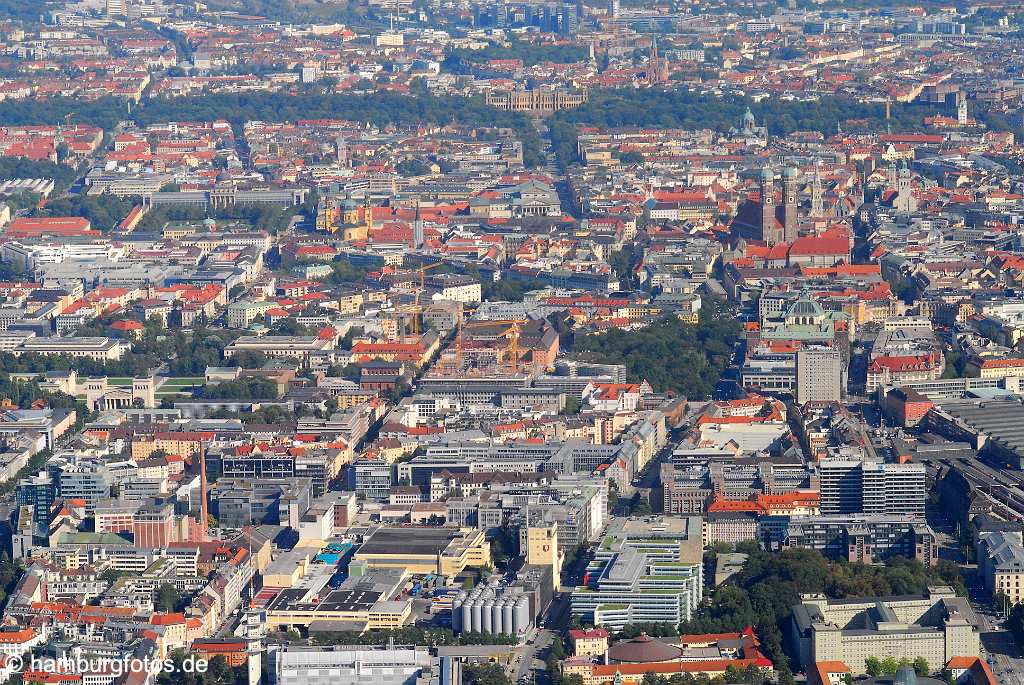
[[1000, 650], [527, 660]]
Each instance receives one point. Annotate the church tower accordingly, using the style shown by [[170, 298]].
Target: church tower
[[417, 229], [817, 202], [790, 231], [341, 151], [769, 233], [905, 201]]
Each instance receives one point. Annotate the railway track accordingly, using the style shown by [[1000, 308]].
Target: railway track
[[1004, 489]]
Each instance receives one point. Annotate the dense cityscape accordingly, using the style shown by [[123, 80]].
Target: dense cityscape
[[532, 342]]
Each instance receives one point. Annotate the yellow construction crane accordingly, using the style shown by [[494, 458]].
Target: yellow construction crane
[[416, 303], [511, 332]]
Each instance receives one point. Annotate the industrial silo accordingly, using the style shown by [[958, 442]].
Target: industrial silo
[[521, 621], [496, 618], [476, 624], [507, 620], [466, 619], [486, 612], [457, 615]]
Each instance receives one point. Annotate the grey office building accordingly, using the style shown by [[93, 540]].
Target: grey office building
[[819, 375], [87, 481], [240, 502]]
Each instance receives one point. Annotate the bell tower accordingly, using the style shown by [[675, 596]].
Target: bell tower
[[769, 232]]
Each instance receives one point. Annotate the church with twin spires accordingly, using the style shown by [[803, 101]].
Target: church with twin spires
[[769, 220]]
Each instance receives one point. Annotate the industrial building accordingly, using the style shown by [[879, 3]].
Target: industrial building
[[423, 550], [994, 427], [345, 665]]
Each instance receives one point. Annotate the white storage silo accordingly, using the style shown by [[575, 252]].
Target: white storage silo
[[507, 620], [521, 622], [486, 612], [476, 625]]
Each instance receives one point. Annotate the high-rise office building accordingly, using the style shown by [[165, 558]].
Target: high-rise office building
[[853, 486], [819, 375], [40, 491]]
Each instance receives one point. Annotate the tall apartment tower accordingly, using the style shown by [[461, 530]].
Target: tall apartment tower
[[769, 232], [539, 545], [789, 206], [819, 375]]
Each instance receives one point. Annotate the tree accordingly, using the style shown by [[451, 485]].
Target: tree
[[669, 353], [379, 108], [764, 592], [412, 167], [630, 158], [557, 648], [251, 388], [484, 674], [921, 666], [167, 597], [889, 665], [1015, 623], [641, 507], [873, 666]]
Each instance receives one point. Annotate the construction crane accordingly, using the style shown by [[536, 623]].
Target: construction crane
[[512, 331], [416, 303]]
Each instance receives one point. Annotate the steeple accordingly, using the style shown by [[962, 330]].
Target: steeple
[[417, 229], [749, 123], [341, 150], [790, 230], [817, 205], [769, 231], [368, 214]]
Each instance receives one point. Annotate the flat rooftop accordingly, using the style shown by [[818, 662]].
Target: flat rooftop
[[336, 600], [1002, 419], [408, 541]]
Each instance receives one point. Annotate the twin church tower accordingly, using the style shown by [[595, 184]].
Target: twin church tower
[[777, 228]]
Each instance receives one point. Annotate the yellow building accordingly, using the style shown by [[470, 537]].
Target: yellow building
[[423, 550], [541, 545], [593, 642], [376, 616], [997, 368], [181, 443]]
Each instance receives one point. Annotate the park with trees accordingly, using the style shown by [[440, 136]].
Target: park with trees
[[670, 354]]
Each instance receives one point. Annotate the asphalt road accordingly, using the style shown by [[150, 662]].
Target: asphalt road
[[527, 662]]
